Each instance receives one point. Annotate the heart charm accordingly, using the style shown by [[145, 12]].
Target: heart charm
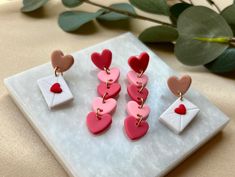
[[135, 94], [102, 60], [132, 130], [179, 85], [133, 78], [139, 63], [111, 77], [112, 90], [97, 125], [63, 62], [181, 109], [133, 109], [106, 108], [55, 88]]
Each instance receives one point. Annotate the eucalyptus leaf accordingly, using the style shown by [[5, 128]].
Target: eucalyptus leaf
[[159, 34], [113, 16], [223, 63], [72, 3], [31, 5], [152, 6], [229, 15], [72, 20], [178, 8], [200, 22]]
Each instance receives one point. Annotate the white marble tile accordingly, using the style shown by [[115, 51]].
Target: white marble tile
[[82, 154]]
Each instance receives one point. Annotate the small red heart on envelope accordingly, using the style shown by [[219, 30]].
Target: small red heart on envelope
[[55, 88], [181, 109]]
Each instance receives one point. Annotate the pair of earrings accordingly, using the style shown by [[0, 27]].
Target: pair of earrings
[[176, 117], [100, 119]]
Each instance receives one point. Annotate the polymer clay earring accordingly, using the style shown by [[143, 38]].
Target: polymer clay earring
[[54, 88], [182, 111], [135, 123], [100, 118]]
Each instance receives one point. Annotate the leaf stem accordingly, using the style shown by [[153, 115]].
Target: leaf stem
[[211, 2], [128, 13], [191, 2]]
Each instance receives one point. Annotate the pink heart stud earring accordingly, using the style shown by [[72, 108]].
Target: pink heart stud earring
[[54, 88], [100, 118], [135, 123], [182, 111]]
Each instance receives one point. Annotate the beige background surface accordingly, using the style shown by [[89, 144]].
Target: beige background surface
[[26, 41]]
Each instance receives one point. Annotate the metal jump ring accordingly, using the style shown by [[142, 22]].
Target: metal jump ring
[[140, 120], [57, 70], [107, 70]]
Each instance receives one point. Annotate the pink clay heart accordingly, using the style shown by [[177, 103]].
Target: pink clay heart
[[107, 107], [178, 86], [61, 61], [134, 131], [133, 78], [111, 77], [133, 109], [99, 124]]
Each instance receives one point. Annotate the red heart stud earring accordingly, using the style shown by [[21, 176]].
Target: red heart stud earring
[[54, 88], [135, 123], [100, 119], [182, 111]]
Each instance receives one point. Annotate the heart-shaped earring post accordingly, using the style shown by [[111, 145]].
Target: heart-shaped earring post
[[139, 63], [102, 60], [60, 61], [179, 86]]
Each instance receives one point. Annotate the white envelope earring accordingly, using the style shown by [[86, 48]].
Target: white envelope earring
[[182, 111], [54, 88]]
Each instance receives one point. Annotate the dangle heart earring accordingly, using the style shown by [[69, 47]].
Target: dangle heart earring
[[182, 111], [135, 124], [100, 119], [54, 88]]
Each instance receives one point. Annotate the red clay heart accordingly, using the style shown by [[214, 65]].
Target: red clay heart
[[63, 62], [55, 88], [102, 60], [112, 90], [132, 130], [181, 109], [135, 94], [139, 63], [99, 124]]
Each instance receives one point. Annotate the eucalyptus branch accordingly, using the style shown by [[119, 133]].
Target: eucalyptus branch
[[211, 2], [128, 13]]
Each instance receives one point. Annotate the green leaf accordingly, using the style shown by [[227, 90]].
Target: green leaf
[[72, 20], [113, 16], [177, 9], [200, 22], [223, 63], [159, 34], [72, 3], [152, 6], [31, 5], [229, 14]]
